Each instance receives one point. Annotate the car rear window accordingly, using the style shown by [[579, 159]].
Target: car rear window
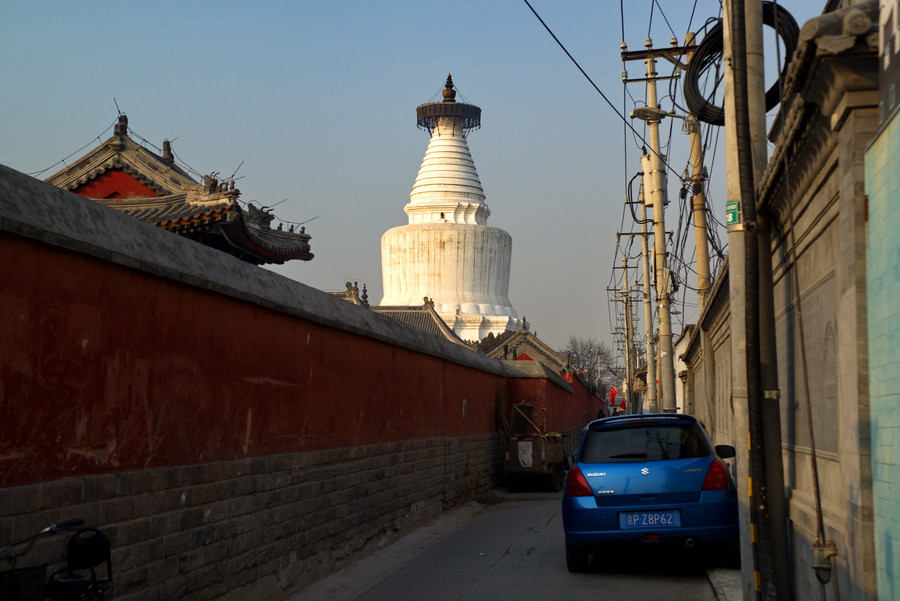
[[650, 442]]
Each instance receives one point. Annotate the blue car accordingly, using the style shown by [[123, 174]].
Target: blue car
[[647, 479]]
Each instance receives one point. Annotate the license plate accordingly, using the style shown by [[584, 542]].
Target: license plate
[[649, 519]]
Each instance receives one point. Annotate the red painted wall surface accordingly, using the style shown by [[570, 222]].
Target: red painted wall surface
[[107, 369], [555, 409], [115, 183]]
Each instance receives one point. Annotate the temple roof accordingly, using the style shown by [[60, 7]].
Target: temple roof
[[128, 177], [424, 318], [352, 294], [522, 345]]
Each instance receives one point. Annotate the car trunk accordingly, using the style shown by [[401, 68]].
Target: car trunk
[[637, 483]]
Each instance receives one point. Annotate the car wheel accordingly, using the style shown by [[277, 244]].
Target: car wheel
[[576, 559]]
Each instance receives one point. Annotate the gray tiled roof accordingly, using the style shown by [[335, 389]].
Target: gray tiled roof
[[424, 318], [183, 205]]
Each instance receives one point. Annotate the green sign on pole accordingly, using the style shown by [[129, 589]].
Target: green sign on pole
[[733, 215]]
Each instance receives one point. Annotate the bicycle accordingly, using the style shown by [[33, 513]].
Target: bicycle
[[86, 550]]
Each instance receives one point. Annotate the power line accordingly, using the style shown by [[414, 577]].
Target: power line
[[663, 14], [591, 81], [70, 155]]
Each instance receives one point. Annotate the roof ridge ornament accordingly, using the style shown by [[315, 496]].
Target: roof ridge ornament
[[122, 125], [168, 156]]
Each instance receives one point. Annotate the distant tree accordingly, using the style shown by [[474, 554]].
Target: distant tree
[[592, 360]]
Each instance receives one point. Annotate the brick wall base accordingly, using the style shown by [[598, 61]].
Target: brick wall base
[[257, 528]]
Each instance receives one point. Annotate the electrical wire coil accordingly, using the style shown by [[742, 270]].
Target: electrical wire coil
[[709, 54]]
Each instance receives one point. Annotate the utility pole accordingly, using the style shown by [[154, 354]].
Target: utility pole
[[775, 559], [658, 194], [629, 338], [654, 177], [698, 199], [754, 374], [698, 208], [625, 292], [741, 208], [649, 330], [655, 196], [630, 350]]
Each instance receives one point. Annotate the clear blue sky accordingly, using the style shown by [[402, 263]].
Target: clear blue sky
[[315, 101]]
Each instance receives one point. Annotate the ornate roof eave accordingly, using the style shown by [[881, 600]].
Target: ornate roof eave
[[121, 152], [266, 245], [178, 214], [183, 205], [174, 212]]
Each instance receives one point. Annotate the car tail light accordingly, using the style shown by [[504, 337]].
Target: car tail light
[[577, 485], [717, 476]]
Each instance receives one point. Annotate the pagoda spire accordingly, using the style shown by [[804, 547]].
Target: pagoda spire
[[447, 252], [447, 188]]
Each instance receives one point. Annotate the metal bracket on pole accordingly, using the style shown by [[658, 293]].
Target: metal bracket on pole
[[822, 555]]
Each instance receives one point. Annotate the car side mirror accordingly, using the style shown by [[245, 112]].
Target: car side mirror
[[725, 451]]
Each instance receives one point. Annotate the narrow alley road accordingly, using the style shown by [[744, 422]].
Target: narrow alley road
[[508, 546]]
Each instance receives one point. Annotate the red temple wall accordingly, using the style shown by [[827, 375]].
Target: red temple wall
[[202, 411], [555, 409], [105, 369]]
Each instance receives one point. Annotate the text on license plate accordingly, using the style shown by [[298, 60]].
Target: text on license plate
[[649, 519]]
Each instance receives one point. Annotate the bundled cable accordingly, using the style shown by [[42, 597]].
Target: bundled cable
[[709, 54]]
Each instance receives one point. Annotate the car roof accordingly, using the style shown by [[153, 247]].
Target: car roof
[[644, 417]]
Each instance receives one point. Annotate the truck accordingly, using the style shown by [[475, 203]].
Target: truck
[[533, 456]]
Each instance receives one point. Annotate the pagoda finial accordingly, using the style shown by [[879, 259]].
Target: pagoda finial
[[449, 93], [466, 116]]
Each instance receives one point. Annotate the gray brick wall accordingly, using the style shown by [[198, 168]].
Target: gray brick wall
[[258, 528]]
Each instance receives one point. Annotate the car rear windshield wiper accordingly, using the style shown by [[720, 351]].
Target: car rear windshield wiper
[[629, 456]]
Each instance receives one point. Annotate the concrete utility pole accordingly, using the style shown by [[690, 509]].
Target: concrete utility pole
[[655, 196], [625, 292], [660, 257], [754, 374], [774, 538], [698, 207], [741, 204], [649, 330], [698, 198], [701, 242], [629, 338]]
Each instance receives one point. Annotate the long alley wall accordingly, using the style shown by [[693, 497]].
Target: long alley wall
[[236, 434], [812, 196]]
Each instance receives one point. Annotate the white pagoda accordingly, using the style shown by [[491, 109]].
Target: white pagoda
[[447, 252]]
